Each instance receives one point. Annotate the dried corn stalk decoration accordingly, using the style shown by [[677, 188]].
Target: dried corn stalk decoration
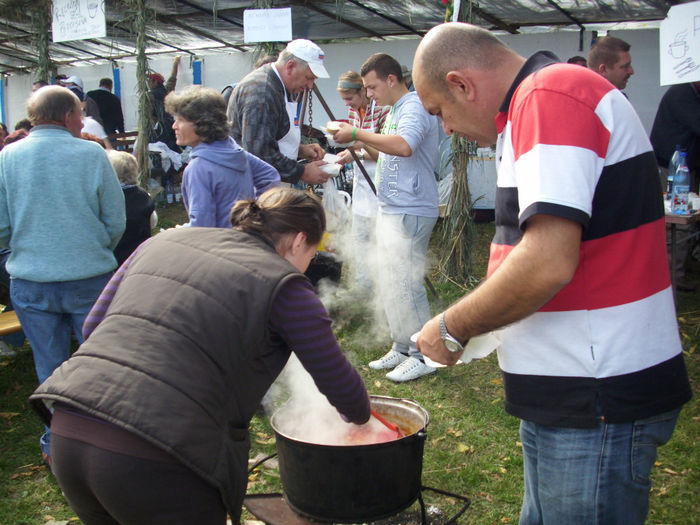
[[136, 20], [39, 13], [459, 231]]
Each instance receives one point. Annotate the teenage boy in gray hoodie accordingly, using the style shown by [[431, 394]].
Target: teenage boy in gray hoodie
[[408, 208]]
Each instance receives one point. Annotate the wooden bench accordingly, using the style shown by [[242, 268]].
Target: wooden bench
[[123, 141], [9, 323]]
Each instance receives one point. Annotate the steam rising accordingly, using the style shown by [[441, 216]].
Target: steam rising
[[308, 416], [303, 412]]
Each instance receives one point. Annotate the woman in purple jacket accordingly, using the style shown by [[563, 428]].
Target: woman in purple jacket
[[220, 172]]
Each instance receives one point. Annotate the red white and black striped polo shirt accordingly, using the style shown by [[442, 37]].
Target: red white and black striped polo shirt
[[572, 146]]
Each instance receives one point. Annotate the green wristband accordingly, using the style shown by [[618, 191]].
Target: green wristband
[[354, 133]]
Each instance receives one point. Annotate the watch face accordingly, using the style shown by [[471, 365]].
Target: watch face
[[452, 345]]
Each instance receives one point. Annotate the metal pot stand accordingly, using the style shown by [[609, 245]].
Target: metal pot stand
[[273, 508]]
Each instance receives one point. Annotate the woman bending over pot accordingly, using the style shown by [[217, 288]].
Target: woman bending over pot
[[219, 172], [150, 416]]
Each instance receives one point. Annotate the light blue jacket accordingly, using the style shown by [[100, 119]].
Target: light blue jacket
[[408, 184], [61, 207], [219, 174]]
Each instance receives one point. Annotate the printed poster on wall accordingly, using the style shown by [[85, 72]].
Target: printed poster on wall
[[78, 19], [679, 45], [267, 25]]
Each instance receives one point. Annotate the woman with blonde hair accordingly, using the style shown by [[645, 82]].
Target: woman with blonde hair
[[141, 216], [363, 113]]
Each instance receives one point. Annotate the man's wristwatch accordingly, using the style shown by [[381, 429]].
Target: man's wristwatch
[[451, 343]]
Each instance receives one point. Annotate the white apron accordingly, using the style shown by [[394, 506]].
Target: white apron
[[364, 201], [289, 144]]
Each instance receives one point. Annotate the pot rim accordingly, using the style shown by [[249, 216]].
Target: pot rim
[[421, 433]]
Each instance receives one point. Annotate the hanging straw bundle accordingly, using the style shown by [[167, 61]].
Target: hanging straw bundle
[[39, 13], [41, 21], [138, 17], [459, 232]]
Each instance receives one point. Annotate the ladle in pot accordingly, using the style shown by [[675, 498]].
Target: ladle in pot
[[391, 426]]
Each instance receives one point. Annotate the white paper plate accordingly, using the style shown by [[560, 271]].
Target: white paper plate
[[332, 169], [435, 364], [478, 347], [335, 144]]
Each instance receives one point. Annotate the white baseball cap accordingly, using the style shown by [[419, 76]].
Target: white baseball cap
[[74, 80], [309, 53]]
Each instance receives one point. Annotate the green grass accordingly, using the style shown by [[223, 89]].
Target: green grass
[[472, 447]]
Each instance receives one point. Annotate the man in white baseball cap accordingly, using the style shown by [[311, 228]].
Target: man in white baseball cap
[[309, 53], [90, 108], [74, 80], [263, 110]]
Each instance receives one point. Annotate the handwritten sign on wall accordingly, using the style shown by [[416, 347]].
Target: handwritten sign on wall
[[267, 25], [78, 19], [679, 45]]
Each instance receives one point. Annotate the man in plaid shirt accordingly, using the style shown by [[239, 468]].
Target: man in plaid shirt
[[263, 112]]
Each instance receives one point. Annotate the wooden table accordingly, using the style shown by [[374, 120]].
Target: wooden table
[[9, 323], [675, 220]]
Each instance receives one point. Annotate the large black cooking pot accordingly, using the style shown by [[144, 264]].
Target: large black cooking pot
[[355, 482]]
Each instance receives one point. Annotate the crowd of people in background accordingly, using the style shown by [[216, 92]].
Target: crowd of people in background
[[573, 371]]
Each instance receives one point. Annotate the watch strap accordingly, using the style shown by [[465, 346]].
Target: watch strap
[[443, 327], [450, 341]]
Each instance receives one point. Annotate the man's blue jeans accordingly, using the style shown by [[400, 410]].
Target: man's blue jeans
[[48, 313], [591, 476]]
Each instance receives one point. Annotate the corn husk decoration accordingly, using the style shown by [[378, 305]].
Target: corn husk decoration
[[459, 231]]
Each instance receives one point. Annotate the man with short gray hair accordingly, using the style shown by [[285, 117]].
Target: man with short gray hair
[[264, 118], [62, 214]]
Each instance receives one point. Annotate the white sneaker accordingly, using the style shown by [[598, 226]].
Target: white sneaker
[[410, 369], [391, 360]]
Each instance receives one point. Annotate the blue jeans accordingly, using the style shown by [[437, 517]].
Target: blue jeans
[[402, 242], [591, 476], [48, 312]]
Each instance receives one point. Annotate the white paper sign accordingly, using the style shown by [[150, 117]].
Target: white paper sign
[[78, 19], [679, 45], [267, 25]]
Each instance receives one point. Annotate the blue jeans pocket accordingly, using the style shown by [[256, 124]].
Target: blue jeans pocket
[[28, 295], [648, 435]]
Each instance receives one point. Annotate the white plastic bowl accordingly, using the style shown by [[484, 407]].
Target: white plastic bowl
[[335, 144]]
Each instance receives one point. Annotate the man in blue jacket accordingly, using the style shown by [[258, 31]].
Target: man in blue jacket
[[62, 214]]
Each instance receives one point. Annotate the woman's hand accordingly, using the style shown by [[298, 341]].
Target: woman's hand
[[344, 157]]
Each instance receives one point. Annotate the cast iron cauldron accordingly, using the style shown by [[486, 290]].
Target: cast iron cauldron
[[355, 482]]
